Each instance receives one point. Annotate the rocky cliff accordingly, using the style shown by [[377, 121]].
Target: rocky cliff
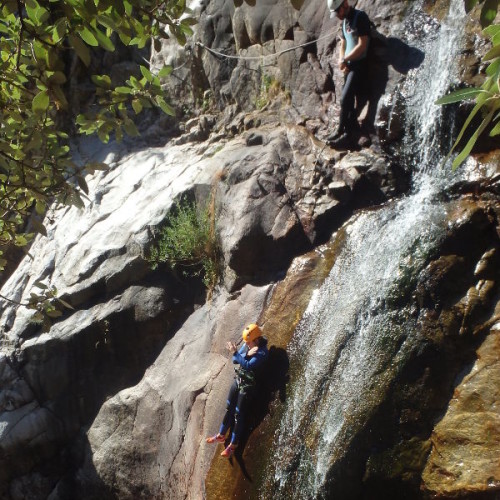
[[115, 399]]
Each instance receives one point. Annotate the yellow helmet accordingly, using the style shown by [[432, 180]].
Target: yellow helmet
[[251, 332]]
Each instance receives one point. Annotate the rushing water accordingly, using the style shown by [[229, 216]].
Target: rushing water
[[360, 327]]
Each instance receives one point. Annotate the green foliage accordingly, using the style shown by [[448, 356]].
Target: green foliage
[[188, 241], [269, 90], [487, 96], [489, 10], [36, 37], [46, 304]]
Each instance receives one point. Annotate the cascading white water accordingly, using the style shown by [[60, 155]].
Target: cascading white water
[[355, 334], [430, 82]]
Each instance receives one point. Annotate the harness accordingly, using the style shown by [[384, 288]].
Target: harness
[[246, 379]]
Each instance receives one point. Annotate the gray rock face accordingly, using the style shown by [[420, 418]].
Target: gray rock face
[[292, 45], [159, 425]]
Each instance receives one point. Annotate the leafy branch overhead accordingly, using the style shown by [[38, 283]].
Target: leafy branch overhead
[[39, 40], [487, 96]]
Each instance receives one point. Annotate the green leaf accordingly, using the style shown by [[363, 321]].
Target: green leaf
[[492, 53], [468, 147], [495, 130], [130, 128], [185, 29], [191, 21], [38, 226], [104, 41], [128, 7], [82, 183], [76, 200], [125, 39], [119, 134], [41, 102], [473, 113], [165, 71], [60, 29], [146, 73], [166, 108], [35, 142], [103, 81], [60, 98], [58, 77], [88, 37], [103, 134], [20, 240], [80, 48], [493, 69], [123, 90], [137, 106], [65, 304], [40, 207], [489, 12], [459, 95], [492, 31], [53, 313]]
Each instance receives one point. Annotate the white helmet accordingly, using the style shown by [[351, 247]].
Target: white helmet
[[333, 5]]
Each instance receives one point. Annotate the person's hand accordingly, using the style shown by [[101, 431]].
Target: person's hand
[[231, 347], [343, 67], [253, 351]]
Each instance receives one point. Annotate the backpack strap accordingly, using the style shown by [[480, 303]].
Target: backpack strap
[[353, 25]]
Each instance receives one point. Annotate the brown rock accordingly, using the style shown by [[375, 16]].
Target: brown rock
[[466, 442]]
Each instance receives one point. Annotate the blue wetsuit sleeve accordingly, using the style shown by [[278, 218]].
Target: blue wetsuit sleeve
[[241, 352], [249, 364]]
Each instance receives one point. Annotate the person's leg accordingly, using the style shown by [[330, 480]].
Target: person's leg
[[239, 416], [231, 404], [239, 413], [347, 102], [227, 421]]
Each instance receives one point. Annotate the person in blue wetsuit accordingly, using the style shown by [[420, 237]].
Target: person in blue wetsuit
[[355, 38], [247, 361]]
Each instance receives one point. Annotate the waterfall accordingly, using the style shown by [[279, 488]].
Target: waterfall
[[430, 136], [360, 325]]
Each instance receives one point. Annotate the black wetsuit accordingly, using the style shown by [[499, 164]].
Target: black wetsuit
[[355, 24], [242, 388]]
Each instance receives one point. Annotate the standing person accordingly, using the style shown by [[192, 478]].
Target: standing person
[[247, 360], [352, 62]]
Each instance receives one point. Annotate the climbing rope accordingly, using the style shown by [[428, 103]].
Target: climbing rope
[[254, 58]]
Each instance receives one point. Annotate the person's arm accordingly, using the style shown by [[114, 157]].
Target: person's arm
[[342, 51], [358, 50], [241, 352], [249, 364]]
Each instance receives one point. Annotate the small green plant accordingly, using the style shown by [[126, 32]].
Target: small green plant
[[188, 241], [270, 88]]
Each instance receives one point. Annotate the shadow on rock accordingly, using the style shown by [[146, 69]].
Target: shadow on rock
[[384, 52]]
